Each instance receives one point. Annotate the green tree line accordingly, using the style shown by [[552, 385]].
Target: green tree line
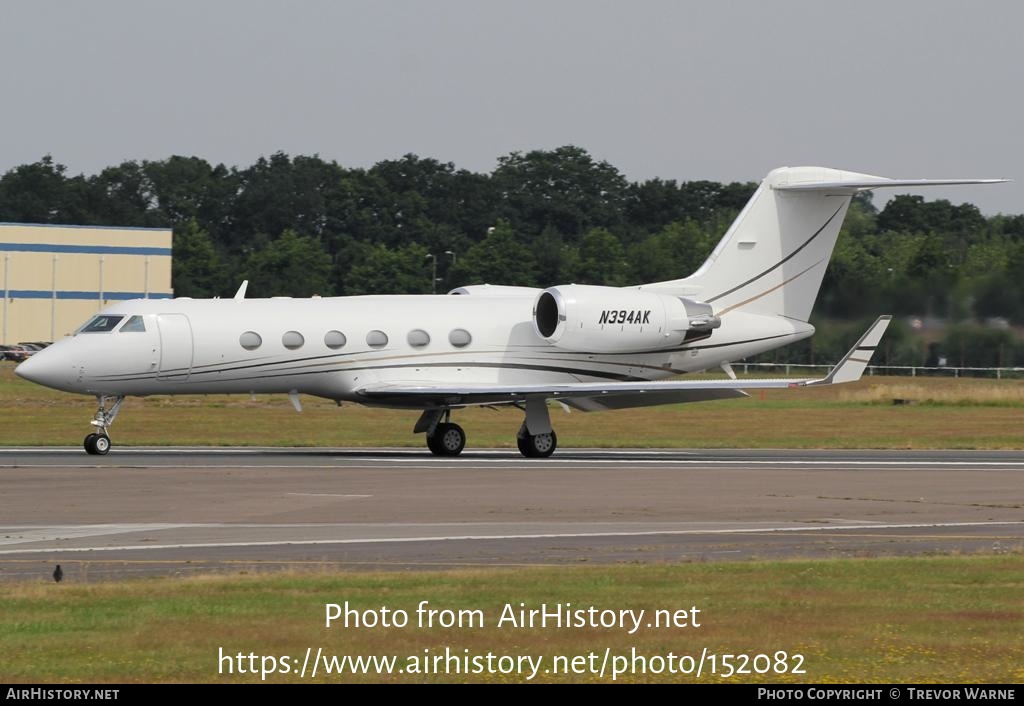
[[302, 225]]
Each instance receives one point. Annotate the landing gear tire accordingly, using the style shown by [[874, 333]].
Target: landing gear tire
[[107, 407], [97, 444], [537, 445], [448, 439]]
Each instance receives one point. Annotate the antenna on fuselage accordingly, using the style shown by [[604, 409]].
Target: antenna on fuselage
[[240, 294]]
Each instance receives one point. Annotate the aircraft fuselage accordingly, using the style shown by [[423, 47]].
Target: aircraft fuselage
[[331, 347]]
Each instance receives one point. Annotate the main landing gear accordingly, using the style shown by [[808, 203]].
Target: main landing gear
[[444, 438], [536, 445], [535, 439], [98, 443]]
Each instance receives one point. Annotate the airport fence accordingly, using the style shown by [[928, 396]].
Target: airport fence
[[907, 370]]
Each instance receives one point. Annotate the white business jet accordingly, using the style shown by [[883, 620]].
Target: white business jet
[[588, 347]]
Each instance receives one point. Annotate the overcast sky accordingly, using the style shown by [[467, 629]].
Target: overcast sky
[[659, 88]]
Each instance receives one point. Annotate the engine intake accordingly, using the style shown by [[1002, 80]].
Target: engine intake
[[591, 319]]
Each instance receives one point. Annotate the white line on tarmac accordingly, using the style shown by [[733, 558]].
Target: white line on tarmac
[[328, 495], [35, 533], [574, 535]]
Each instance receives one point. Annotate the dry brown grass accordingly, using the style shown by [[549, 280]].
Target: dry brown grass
[[944, 391]]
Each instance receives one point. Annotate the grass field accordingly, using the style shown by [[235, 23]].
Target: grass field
[[932, 413], [925, 620]]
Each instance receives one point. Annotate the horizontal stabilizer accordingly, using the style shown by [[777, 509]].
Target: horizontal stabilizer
[[861, 184]]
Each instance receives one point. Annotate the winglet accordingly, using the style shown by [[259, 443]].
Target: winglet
[[240, 294], [852, 366]]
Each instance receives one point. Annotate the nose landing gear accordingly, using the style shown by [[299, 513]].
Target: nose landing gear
[[98, 443]]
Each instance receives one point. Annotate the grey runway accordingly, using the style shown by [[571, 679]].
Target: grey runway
[[176, 511]]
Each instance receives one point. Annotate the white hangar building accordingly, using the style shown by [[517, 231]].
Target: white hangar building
[[55, 277]]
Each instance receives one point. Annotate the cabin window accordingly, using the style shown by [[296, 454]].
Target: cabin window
[[101, 324], [134, 324], [418, 338], [335, 340], [376, 339], [292, 340], [250, 340], [459, 337]]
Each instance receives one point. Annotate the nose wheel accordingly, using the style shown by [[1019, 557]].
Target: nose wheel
[[98, 443]]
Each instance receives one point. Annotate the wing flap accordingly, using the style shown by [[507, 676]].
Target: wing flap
[[647, 399]]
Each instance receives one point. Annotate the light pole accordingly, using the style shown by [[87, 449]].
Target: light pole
[[433, 272], [448, 272], [433, 268]]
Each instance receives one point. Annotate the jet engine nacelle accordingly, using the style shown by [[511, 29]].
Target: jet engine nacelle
[[590, 319]]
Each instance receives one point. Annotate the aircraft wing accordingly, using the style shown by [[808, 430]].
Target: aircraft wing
[[592, 396]]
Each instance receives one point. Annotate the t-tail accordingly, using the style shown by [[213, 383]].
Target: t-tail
[[773, 258]]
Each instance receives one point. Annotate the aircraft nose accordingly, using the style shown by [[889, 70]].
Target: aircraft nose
[[47, 367]]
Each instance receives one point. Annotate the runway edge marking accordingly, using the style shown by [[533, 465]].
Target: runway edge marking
[[582, 535]]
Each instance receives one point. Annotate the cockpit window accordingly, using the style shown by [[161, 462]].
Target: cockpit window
[[101, 324], [134, 324]]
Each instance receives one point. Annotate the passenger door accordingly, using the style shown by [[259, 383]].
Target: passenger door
[[175, 347]]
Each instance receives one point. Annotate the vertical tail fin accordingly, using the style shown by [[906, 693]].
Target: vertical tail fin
[[773, 258]]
